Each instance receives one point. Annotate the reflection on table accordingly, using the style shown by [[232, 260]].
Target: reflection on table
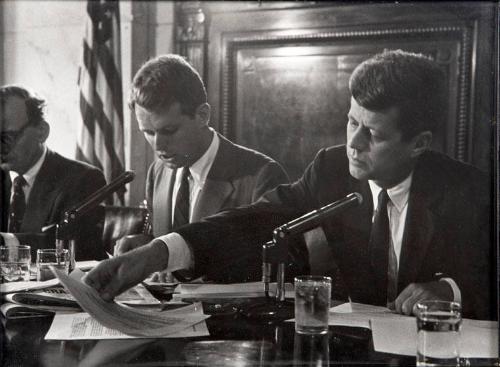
[[234, 341]]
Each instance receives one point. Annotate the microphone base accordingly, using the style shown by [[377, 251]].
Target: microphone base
[[271, 310]]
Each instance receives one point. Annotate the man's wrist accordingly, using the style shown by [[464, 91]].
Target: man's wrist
[[160, 255]]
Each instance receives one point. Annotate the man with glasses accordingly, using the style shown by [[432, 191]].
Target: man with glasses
[[37, 184]]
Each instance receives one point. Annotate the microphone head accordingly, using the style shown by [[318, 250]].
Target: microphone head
[[128, 176], [358, 196]]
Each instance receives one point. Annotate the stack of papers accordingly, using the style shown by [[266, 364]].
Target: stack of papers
[[122, 318]]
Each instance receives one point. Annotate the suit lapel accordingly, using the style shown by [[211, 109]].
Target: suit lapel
[[212, 198], [218, 186], [419, 228], [44, 188], [359, 219]]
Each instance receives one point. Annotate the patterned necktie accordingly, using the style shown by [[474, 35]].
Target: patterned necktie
[[17, 205], [380, 245], [181, 211]]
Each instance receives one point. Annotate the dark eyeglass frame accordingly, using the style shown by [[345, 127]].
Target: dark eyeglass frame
[[11, 137]]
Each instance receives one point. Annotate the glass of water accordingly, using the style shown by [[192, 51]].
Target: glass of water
[[438, 326], [15, 263], [45, 258], [312, 304]]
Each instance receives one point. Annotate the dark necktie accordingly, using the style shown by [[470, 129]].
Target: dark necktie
[[181, 211], [17, 205], [380, 244]]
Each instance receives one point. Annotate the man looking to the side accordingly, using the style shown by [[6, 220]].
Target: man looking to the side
[[37, 184], [197, 172], [422, 231]]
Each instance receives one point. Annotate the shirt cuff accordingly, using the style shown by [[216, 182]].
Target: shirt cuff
[[9, 239], [457, 295], [179, 253]]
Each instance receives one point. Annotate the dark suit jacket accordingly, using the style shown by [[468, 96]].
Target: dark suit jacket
[[238, 176], [61, 184], [447, 230]]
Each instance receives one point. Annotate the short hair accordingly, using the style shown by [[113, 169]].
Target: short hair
[[164, 80], [412, 82], [35, 105]]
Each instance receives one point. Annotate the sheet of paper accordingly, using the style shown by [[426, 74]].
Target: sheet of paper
[[136, 322], [359, 315], [478, 339], [78, 326], [137, 295], [27, 286]]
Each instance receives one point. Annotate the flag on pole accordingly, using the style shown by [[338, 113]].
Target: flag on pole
[[100, 130]]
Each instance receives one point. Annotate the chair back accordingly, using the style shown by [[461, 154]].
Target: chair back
[[120, 221]]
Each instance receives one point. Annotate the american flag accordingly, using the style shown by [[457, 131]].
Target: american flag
[[100, 130]]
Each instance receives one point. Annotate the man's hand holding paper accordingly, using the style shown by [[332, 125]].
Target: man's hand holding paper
[[114, 276]]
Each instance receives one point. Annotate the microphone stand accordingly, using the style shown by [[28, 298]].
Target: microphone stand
[[67, 229], [276, 252]]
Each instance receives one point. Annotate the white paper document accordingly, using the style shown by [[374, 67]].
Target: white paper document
[[79, 326], [478, 339], [360, 315], [130, 321], [27, 286]]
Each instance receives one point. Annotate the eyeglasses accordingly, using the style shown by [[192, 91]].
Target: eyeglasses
[[9, 138]]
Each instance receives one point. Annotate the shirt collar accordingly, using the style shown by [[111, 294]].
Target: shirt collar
[[30, 174], [199, 169], [398, 194]]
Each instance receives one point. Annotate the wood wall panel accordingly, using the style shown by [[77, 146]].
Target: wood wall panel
[[277, 75]]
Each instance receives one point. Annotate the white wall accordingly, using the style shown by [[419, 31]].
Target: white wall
[[42, 45]]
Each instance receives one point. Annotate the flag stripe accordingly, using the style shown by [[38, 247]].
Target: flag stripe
[[100, 138]]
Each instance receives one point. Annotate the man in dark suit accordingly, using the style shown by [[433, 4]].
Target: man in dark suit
[[170, 104], [39, 185], [422, 231]]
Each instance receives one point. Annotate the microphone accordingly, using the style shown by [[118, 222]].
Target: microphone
[[276, 251], [93, 200], [315, 217]]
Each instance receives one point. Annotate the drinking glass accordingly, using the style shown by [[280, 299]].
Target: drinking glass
[[15, 263], [438, 327], [45, 258], [312, 304]]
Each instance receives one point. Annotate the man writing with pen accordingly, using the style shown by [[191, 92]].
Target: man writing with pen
[[422, 231]]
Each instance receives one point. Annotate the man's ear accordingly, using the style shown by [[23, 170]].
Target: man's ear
[[421, 143], [203, 113], [43, 131]]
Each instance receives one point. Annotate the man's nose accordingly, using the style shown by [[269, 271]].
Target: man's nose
[[159, 142], [357, 139]]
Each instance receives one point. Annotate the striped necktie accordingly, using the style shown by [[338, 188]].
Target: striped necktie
[[17, 205], [181, 211]]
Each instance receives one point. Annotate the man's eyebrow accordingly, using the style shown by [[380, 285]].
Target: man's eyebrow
[[351, 117]]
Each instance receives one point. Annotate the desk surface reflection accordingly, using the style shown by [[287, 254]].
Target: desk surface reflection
[[233, 341]]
